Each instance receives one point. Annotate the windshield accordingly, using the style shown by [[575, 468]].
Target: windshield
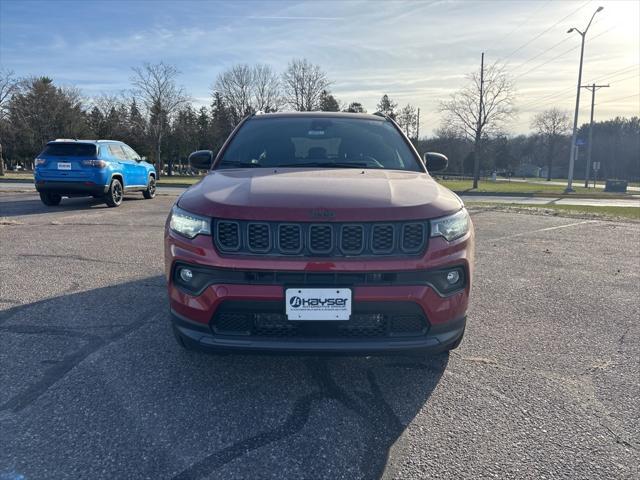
[[69, 150], [319, 142]]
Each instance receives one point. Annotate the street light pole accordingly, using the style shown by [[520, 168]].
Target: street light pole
[[575, 116]]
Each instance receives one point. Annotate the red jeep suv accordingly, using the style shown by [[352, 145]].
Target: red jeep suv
[[318, 232]]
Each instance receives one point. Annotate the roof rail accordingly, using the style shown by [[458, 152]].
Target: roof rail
[[65, 140]]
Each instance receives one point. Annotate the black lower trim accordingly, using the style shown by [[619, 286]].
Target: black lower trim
[[70, 188], [196, 336], [204, 277]]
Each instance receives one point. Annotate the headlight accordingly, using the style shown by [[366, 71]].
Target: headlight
[[451, 227], [189, 224]]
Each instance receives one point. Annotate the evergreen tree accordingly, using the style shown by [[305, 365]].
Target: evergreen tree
[[355, 107], [328, 102], [221, 122], [387, 106]]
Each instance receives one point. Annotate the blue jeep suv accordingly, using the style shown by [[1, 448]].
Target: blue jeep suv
[[103, 169]]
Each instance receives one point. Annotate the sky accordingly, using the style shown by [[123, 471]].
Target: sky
[[417, 52]]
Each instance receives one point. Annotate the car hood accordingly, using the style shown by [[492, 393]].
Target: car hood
[[319, 195]]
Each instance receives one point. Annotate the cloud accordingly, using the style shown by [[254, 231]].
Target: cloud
[[417, 52]]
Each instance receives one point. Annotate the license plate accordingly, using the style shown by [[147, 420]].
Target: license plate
[[64, 166], [318, 303]]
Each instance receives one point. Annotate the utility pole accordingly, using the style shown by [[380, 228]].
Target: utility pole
[[476, 153], [575, 116], [593, 89]]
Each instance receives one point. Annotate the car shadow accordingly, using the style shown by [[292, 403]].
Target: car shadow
[[33, 206], [103, 367]]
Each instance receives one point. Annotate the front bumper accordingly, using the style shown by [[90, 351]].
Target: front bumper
[[194, 313], [200, 337]]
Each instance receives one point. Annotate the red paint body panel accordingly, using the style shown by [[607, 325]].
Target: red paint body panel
[[290, 194], [200, 251]]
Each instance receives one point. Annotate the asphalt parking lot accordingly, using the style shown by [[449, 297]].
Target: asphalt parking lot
[[92, 384]]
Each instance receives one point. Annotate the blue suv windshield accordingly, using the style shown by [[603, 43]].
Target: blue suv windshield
[[69, 150]]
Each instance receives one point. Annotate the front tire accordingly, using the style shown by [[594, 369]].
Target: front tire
[[50, 199], [115, 194], [150, 192]]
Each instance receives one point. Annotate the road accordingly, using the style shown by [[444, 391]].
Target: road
[[93, 385]]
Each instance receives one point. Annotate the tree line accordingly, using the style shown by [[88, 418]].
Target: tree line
[[158, 118]]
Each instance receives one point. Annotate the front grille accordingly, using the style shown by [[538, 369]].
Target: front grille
[[233, 323], [382, 238], [321, 239], [412, 236], [228, 235], [268, 320], [351, 239], [258, 237], [289, 238]]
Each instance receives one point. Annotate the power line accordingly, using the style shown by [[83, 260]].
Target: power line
[[561, 55], [545, 99], [546, 62], [619, 98], [635, 75], [617, 72], [517, 27], [546, 30], [541, 53]]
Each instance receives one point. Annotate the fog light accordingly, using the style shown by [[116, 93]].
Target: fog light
[[453, 276], [186, 275]]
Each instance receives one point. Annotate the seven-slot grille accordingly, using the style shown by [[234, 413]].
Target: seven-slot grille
[[320, 239]]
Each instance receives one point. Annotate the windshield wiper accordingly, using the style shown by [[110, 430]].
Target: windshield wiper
[[326, 164], [238, 163]]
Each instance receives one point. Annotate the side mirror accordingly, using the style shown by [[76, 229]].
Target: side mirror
[[435, 161], [201, 160]]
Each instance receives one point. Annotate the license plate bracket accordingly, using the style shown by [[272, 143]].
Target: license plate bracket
[[318, 304]]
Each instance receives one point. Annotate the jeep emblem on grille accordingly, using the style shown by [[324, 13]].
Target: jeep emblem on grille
[[322, 213]]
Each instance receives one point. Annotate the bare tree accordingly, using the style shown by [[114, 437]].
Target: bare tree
[[481, 108], [551, 125], [267, 96], [236, 87], [8, 86], [155, 85], [303, 85]]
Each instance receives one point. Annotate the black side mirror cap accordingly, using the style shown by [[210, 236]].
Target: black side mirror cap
[[201, 160], [435, 162]]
